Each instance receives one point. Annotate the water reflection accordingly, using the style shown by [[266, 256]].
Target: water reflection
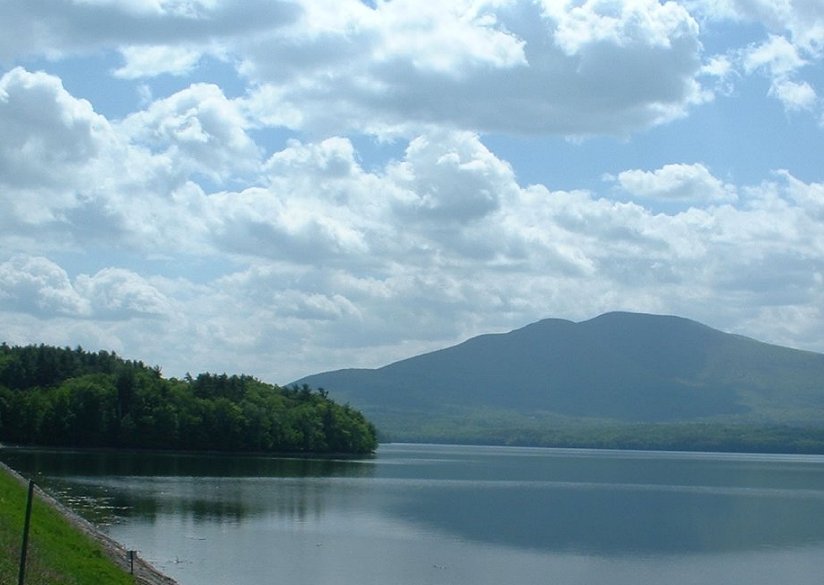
[[614, 503], [110, 463], [113, 488], [606, 520], [603, 504]]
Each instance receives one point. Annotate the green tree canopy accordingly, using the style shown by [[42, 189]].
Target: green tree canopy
[[70, 397]]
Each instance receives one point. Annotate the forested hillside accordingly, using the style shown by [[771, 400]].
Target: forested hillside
[[618, 380], [70, 397]]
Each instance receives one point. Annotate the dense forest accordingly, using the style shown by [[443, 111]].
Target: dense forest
[[53, 396], [512, 430]]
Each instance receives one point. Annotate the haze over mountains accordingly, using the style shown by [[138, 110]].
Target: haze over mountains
[[616, 369]]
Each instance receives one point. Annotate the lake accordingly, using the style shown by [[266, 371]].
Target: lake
[[426, 514]]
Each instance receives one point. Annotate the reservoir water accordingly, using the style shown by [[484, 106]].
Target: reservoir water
[[424, 514]]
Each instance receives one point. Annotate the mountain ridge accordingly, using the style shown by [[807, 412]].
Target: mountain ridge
[[617, 368]]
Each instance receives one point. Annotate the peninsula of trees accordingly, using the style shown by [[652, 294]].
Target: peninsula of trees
[[52, 396]]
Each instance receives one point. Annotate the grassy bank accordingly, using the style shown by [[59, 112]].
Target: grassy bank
[[58, 553]]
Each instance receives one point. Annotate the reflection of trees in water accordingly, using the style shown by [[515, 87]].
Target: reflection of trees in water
[[225, 500], [118, 463], [109, 487], [94, 503], [199, 500], [107, 504], [300, 501]]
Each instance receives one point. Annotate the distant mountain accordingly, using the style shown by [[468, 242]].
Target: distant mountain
[[616, 369]]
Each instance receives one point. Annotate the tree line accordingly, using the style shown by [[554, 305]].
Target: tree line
[[739, 437], [53, 396]]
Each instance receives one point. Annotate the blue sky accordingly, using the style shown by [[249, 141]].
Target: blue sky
[[281, 188]]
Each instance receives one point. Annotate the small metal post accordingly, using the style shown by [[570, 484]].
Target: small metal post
[[131, 561], [21, 574]]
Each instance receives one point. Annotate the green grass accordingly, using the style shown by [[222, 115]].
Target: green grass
[[58, 553]]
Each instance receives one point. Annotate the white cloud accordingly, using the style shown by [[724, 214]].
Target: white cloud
[[677, 182], [156, 60], [491, 66], [809, 197], [623, 23], [64, 27], [45, 130], [257, 222], [597, 67], [721, 71], [199, 130], [446, 38], [486, 66], [781, 60], [794, 43], [38, 286], [70, 177], [115, 293], [331, 158], [451, 178], [802, 19], [777, 55], [794, 95], [60, 165]]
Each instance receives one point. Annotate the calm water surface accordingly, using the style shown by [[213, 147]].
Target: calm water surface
[[420, 514]]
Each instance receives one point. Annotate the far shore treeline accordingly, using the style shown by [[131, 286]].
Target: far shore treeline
[[64, 397]]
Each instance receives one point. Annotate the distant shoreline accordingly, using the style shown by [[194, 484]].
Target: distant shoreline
[[174, 452], [789, 439]]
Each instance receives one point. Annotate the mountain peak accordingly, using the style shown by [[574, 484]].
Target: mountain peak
[[620, 366]]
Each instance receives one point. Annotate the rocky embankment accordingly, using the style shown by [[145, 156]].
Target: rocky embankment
[[144, 573]]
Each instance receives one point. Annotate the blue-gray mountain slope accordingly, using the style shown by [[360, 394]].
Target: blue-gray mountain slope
[[619, 367]]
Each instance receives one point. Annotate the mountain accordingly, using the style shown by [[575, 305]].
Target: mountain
[[615, 370]]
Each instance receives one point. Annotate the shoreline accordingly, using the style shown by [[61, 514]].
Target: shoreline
[[144, 572], [343, 456]]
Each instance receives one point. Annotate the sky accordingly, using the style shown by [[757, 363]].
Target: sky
[[280, 188]]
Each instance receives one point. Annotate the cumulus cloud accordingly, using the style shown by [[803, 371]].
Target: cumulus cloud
[[115, 293], [61, 27], [490, 66], [321, 206], [591, 22], [60, 164], [589, 68], [199, 129], [38, 286], [258, 222], [450, 177], [77, 178], [793, 43], [42, 288], [46, 131], [531, 230], [808, 196], [676, 182]]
